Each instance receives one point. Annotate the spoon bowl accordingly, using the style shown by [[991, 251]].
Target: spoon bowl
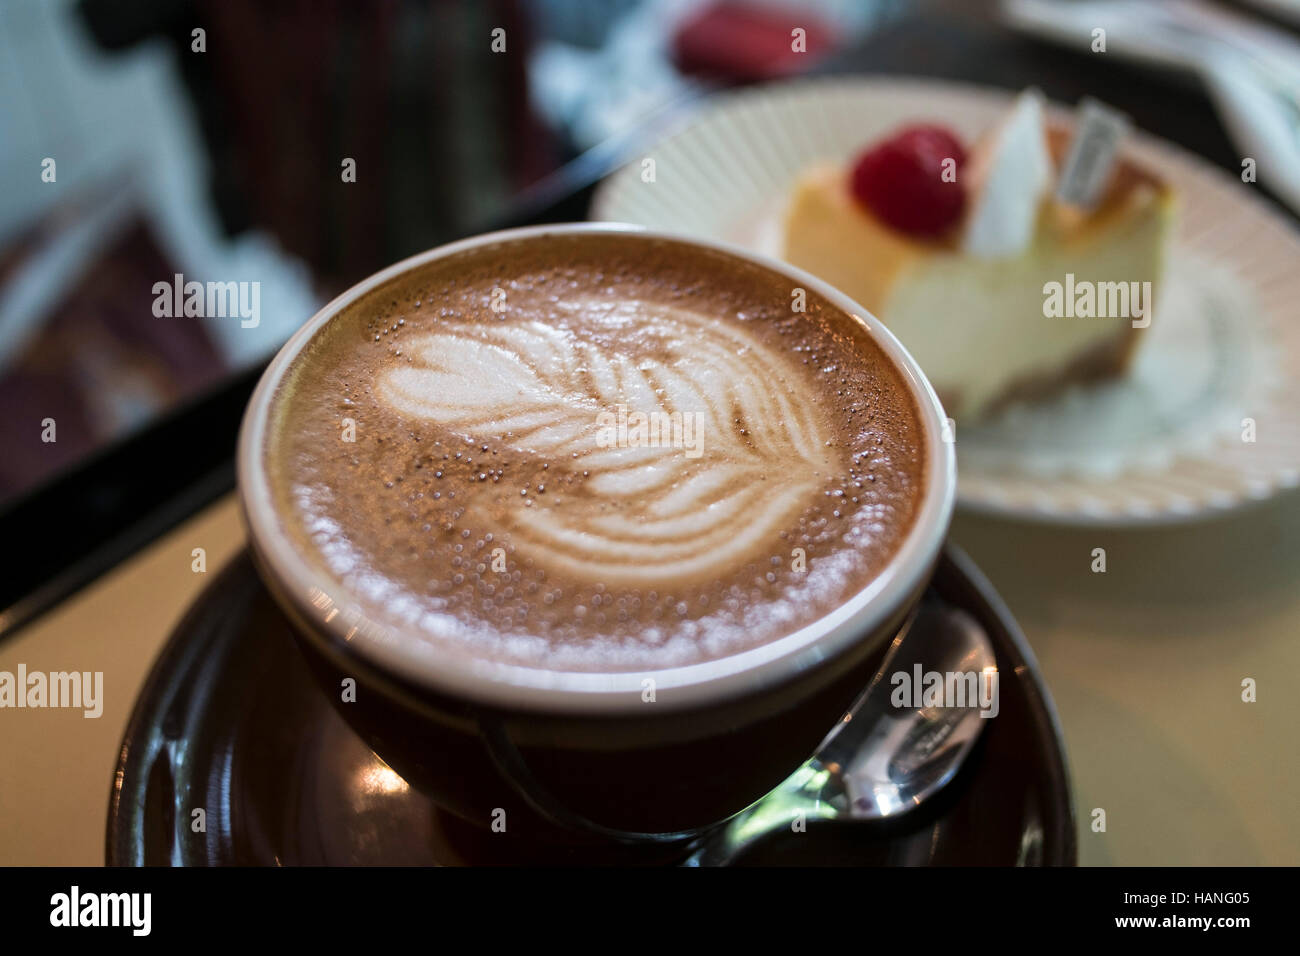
[[902, 741]]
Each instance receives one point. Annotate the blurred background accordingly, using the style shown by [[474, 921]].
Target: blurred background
[[145, 139], [209, 139]]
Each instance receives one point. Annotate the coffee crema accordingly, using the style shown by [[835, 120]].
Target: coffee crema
[[594, 452]]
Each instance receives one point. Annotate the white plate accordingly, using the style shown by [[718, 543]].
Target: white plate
[[1166, 443]]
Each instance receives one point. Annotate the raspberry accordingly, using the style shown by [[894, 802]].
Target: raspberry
[[901, 180]]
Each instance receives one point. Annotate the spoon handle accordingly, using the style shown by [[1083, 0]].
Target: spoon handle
[[880, 759]]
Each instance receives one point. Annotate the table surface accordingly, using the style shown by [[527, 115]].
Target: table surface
[[1145, 662]]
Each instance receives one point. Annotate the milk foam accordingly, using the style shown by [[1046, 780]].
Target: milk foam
[[648, 459], [548, 391]]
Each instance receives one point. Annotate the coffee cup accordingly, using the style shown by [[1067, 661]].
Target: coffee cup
[[550, 624]]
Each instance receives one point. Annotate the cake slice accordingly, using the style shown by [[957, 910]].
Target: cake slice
[[1014, 323]]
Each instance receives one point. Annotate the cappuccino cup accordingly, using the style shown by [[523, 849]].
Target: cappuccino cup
[[592, 532]]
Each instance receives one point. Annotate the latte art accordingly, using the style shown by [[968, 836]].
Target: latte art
[[647, 459], [655, 513]]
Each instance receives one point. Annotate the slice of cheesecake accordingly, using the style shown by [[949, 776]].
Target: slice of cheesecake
[[986, 329]]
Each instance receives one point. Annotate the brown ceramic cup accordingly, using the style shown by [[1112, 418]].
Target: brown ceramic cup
[[582, 756]]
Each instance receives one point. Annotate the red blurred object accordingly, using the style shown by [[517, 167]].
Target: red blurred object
[[742, 43], [901, 180]]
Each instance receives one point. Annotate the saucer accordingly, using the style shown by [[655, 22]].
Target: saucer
[[1164, 444], [231, 723]]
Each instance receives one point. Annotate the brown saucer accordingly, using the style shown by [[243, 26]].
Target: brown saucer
[[231, 722]]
